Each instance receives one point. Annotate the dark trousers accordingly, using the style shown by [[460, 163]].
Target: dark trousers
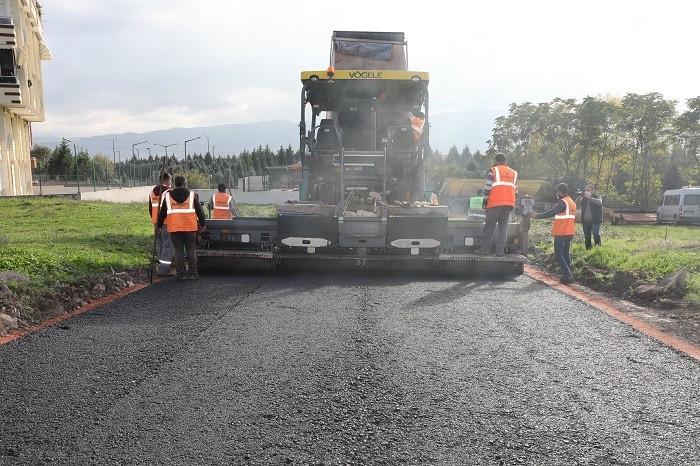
[[588, 229], [185, 241], [496, 216]]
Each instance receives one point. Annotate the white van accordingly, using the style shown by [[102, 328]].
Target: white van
[[680, 206]]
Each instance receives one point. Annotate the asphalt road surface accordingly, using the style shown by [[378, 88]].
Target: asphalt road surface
[[353, 368]]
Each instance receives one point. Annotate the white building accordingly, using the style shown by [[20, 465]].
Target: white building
[[21, 91]]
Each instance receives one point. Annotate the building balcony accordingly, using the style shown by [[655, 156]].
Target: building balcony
[[10, 93], [7, 32]]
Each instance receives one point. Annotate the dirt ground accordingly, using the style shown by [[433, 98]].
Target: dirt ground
[[21, 310]]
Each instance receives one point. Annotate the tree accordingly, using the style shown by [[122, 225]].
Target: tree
[[208, 160], [592, 123], [196, 179], [245, 164], [515, 134], [42, 154], [61, 159], [84, 165], [453, 157], [647, 121], [561, 138], [104, 167], [687, 126]]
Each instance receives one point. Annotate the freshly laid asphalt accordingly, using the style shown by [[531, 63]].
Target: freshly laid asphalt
[[346, 368]]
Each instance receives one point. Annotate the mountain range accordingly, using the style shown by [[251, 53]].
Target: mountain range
[[466, 128]]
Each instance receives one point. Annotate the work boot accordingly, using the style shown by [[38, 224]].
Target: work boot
[[567, 280]]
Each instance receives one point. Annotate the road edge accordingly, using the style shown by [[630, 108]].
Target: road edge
[[16, 334], [647, 329]]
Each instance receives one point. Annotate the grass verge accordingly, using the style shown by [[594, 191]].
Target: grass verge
[[62, 245], [649, 251], [56, 239]]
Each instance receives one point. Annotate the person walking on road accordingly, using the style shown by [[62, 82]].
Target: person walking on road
[[164, 244], [499, 199], [563, 229], [185, 217], [591, 215], [221, 204]]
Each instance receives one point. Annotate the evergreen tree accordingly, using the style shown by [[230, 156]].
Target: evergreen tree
[[61, 160]]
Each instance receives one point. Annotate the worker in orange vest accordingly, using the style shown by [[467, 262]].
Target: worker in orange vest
[[417, 123], [184, 216], [221, 204], [563, 229], [164, 245], [499, 199]]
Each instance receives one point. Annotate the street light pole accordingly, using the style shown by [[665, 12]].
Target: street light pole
[[114, 156], [138, 157], [150, 159], [133, 156], [189, 140], [77, 171], [120, 168], [207, 142], [166, 148]]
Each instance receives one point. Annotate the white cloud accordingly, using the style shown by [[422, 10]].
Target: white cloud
[[129, 65]]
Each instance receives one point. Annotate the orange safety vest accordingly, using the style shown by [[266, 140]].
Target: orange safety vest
[[564, 221], [505, 180], [154, 207], [222, 206], [181, 217], [417, 125]]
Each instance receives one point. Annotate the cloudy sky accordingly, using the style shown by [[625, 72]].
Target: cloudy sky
[[135, 66]]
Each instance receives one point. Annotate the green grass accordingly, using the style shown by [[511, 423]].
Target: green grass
[[61, 240], [658, 250], [256, 210], [58, 239]]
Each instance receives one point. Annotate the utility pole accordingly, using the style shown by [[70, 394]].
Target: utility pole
[[189, 140], [133, 156]]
